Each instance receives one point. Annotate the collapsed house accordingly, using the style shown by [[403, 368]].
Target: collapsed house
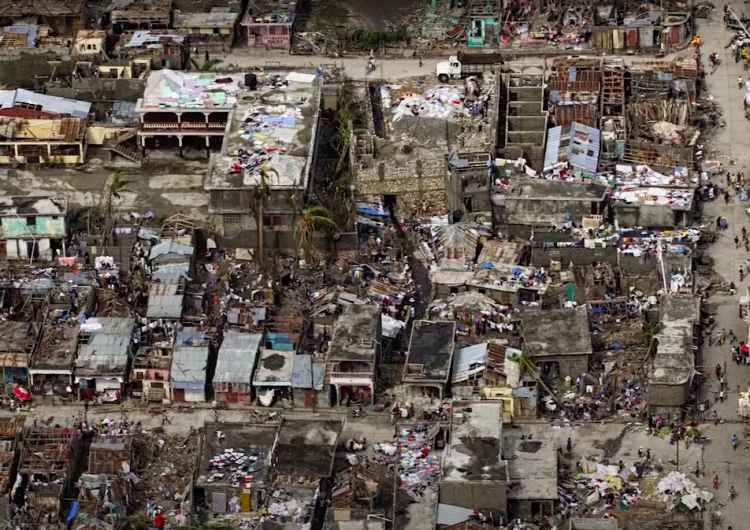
[[46, 465], [106, 487], [214, 32], [187, 377], [64, 17]]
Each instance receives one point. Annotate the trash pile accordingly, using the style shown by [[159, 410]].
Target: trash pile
[[163, 462], [284, 507], [638, 243], [418, 469], [677, 488], [619, 487], [441, 102]]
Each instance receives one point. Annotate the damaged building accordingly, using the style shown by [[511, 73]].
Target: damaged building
[[559, 341], [429, 359], [354, 355]]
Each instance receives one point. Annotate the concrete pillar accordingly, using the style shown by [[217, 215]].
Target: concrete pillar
[[49, 152], [15, 150]]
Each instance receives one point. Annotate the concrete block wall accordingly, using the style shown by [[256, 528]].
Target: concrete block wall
[[482, 495], [660, 395]]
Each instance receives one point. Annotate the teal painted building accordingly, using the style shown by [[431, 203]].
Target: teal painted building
[[32, 227]]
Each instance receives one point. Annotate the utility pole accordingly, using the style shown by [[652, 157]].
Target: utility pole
[[747, 33], [678, 453]]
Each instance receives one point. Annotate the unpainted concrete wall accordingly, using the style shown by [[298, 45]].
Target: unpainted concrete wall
[[527, 123], [482, 495], [544, 213], [541, 257], [570, 365], [660, 395], [649, 216], [429, 132], [98, 89], [21, 67]]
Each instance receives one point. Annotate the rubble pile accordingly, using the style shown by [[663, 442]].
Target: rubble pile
[[164, 470]]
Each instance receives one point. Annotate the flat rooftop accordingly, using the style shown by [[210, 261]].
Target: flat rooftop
[[553, 190], [274, 127], [30, 206], [674, 360], [680, 308], [306, 447], [218, 17], [431, 345], [274, 368], [255, 442], [532, 464], [677, 199], [557, 332], [270, 12], [476, 444], [355, 334], [170, 90]]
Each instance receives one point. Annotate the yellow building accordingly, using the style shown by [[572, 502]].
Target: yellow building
[[42, 141]]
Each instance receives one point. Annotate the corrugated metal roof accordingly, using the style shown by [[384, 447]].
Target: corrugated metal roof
[[170, 272], [237, 357], [551, 154], [449, 515], [583, 149], [107, 350], [171, 250], [189, 367], [165, 306], [52, 104], [305, 372], [464, 358]]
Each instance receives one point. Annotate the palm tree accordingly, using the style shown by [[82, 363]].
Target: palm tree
[[114, 187], [262, 194], [313, 218]]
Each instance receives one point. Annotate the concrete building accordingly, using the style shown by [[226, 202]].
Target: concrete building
[[161, 48], [525, 128], [40, 129], [270, 24], [429, 359], [290, 118], [141, 14], [542, 203], [673, 349], [474, 472], [178, 110], [32, 227], [558, 341], [304, 452], [64, 17], [235, 365], [532, 456], [653, 207], [354, 355], [103, 361], [90, 42], [214, 32], [216, 484], [19, 341], [273, 377]]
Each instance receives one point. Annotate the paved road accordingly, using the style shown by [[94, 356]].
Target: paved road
[[732, 146]]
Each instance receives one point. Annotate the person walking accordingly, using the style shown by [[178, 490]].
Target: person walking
[[716, 418], [736, 242], [718, 366], [716, 482], [735, 442], [570, 446]]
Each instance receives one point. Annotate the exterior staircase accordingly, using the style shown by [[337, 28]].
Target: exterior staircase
[[119, 145]]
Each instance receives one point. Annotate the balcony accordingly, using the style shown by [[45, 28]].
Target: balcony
[[185, 127]]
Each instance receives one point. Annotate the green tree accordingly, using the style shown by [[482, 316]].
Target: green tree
[[313, 218], [115, 186]]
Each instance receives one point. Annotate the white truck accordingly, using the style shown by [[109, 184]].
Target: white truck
[[467, 64]]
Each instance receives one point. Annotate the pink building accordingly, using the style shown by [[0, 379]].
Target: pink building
[[269, 23]]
